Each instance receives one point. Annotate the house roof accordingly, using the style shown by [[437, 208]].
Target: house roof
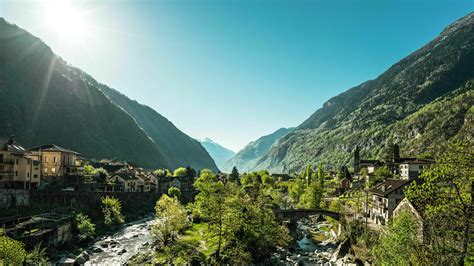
[[52, 147], [11, 146], [418, 161], [126, 176], [389, 186], [370, 162]]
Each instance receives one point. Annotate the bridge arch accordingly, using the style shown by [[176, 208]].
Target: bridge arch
[[293, 215]]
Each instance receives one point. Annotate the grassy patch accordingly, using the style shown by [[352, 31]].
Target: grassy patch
[[195, 245]]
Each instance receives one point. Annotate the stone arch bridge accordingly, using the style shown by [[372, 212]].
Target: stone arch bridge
[[293, 215]]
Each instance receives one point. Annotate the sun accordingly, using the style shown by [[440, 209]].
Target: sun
[[67, 21]]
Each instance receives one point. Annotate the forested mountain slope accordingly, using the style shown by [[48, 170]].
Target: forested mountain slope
[[246, 159], [400, 105], [45, 100]]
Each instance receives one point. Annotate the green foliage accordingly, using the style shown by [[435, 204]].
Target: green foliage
[[234, 175], [401, 243], [162, 173], [84, 226], [240, 219], [295, 190], [12, 252], [37, 256], [112, 209], [174, 192], [180, 172], [171, 219], [445, 197]]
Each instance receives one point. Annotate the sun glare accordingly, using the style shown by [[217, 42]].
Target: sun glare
[[67, 21]]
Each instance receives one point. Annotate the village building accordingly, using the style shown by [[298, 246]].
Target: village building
[[18, 168], [127, 180], [57, 163], [386, 196], [411, 169], [406, 205]]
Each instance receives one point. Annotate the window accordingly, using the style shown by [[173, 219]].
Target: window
[[53, 170], [46, 170], [27, 174], [54, 159], [35, 176], [16, 173], [28, 161], [16, 161], [45, 159]]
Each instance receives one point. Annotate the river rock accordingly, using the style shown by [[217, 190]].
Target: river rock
[[82, 258], [104, 244], [97, 249], [67, 261], [122, 251]]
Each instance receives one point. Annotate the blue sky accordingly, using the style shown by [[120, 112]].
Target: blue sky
[[236, 70]]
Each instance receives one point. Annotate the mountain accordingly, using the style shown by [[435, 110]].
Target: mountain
[[419, 103], [219, 153], [180, 149], [247, 158], [45, 100]]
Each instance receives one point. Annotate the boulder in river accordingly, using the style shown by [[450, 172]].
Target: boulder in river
[[122, 251], [82, 258]]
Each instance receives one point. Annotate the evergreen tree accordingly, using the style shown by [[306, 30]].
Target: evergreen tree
[[234, 175]]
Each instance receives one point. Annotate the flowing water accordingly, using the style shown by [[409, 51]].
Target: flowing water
[[306, 250], [135, 237], [117, 248]]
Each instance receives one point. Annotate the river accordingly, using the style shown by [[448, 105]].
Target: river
[[117, 248], [135, 237], [307, 250]]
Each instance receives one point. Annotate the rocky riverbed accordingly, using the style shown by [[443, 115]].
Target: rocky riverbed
[[315, 245], [117, 248]]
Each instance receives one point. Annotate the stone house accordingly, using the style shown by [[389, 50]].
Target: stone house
[[385, 197], [57, 163], [406, 205], [127, 180], [18, 168], [411, 169]]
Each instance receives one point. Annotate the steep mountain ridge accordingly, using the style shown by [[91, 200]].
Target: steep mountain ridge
[[45, 100], [366, 115], [219, 153], [247, 158]]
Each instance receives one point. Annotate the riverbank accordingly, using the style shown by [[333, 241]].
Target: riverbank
[[115, 248]]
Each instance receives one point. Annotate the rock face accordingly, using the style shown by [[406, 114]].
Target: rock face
[[45, 100], [420, 102], [248, 158], [219, 153]]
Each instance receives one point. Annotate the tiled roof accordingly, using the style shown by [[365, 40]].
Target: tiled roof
[[126, 176], [52, 147], [11, 146], [418, 161], [389, 186]]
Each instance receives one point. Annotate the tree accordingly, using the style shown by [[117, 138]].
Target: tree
[[84, 226], [190, 172], [401, 244], [234, 175], [171, 219], [445, 196], [391, 156], [12, 252], [112, 209], [174, 192], [180, 172], [308, 174]]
